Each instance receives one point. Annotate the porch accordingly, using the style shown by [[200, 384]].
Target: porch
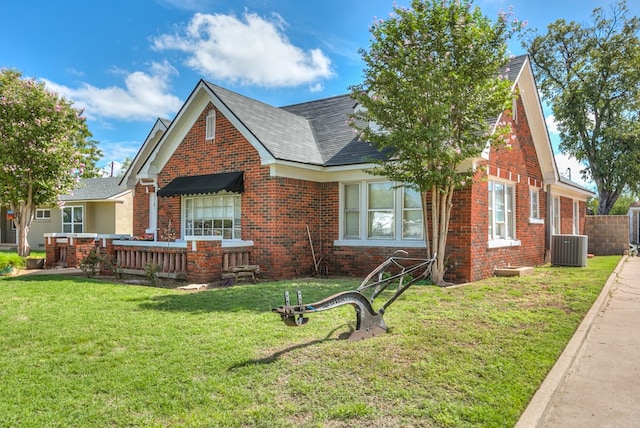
[[198, 261]]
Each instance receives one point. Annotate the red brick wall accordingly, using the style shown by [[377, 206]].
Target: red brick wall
[[276, 211], [566, 216], [519, 164], [467, 256]]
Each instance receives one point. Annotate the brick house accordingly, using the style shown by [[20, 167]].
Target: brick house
[[231, 171]]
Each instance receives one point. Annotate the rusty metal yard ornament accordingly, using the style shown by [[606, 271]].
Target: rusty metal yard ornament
[[397, 269]]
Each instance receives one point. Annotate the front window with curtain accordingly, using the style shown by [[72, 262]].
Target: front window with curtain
[[213, 215], [501, 211]]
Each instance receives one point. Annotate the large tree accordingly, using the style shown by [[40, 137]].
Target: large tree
[[590, 75], [431, 87], [44, 149]]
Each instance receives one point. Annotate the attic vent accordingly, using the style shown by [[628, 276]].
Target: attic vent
[[569, 250], [211, 125]]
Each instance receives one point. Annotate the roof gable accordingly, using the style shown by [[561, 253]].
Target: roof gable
[[154, 136]]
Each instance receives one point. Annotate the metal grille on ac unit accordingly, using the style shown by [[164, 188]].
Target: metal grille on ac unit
[[569, 250]]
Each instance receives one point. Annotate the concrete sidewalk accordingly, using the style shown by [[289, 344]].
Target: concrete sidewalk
[[596, 381]]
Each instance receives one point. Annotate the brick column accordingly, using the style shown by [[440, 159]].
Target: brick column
[[204, 261]]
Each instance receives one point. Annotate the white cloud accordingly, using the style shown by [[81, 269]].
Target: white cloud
[[145, 96], [318, 87], [552, 125], [249, 51]]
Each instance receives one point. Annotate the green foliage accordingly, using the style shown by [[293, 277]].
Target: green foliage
[[90, 265], [431, 82], [151, 271], [10, 259], [44, 148], [126, 163], [431, 85], [589, 74], [111, 264], [76, 352], [620, 207]]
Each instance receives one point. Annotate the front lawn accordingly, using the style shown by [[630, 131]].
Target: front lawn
[[83, 353]]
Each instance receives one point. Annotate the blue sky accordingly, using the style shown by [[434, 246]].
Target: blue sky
[[128, 62]]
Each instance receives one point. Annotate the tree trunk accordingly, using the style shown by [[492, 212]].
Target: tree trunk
[[440, 214], [605, 202], [23, 218]]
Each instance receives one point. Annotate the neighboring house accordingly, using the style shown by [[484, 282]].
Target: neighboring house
[[98, 205], [234, 169]]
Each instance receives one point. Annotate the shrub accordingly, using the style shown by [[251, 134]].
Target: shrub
[[91, 264], [151, 271], [110, 263], [10, 259]]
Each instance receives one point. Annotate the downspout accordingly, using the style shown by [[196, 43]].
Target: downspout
[[153, 215], [548, 224]]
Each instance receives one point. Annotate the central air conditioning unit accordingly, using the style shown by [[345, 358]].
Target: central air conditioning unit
[[569, 250]]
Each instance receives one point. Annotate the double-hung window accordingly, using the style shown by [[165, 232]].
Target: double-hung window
[[501, 212], [213, 215], [555, 216], [380, 212], [534, 206], [73, 219]]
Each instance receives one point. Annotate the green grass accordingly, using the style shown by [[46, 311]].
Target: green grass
[[11, 258], [83, 353]]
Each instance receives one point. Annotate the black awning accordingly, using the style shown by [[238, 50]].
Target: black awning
[[202, 184]]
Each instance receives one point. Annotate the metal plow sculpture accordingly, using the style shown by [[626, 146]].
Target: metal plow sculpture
[[398, 269]]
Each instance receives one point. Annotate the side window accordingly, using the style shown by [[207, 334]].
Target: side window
[[351, 211], [501, 210], [380, 210], [43, 214], [555, 225], [534, 203]]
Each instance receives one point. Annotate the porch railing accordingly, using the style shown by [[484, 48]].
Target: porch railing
[[133, 257]]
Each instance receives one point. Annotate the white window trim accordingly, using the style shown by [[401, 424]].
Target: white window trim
[[43, 217], [556, 228], [576, 217], [363, 240], [183, 222], [73, 208], [501, 242], [535, 219]]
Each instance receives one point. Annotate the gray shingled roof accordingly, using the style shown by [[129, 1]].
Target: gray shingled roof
[[336, 139], [285, 135], [91, 189], [314, 132], [514, 65]]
